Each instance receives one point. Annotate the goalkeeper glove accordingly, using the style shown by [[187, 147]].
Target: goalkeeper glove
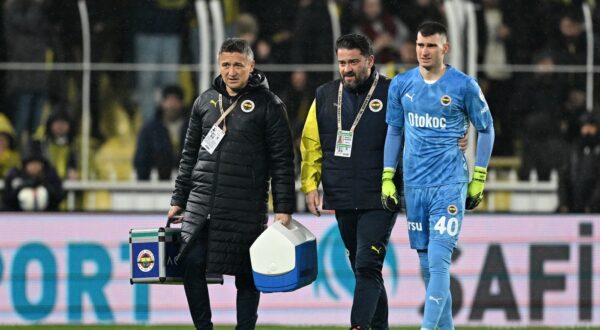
[[389, 196], [475, 190]]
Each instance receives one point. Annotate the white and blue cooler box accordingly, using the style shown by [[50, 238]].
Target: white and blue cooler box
[[284, 258], [152, 255]]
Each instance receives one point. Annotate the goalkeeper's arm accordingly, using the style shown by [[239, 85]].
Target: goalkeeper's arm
[[391, 154], [485, 141]]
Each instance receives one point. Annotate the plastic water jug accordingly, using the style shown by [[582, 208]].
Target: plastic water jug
[[284, 258]]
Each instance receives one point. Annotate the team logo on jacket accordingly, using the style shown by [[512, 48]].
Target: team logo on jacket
[[145, 260], [446, 100], [452, 209], [375, 105], [247, 106]]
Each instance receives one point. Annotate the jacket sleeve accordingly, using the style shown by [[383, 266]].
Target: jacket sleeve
[[143, 155], [9, 194], [564, 183], [312, 155], [278, 138], [189, 155], [54, 186]]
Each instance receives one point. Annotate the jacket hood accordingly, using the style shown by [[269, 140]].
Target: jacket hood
[[257, 80], [63, 115]]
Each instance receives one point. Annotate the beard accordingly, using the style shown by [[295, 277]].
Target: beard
[[359, 79]]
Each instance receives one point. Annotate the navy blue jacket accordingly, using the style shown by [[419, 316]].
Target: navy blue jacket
[[354, 182], [155, 150]]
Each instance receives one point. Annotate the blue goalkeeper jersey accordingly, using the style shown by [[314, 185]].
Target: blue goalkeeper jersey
[[434, 116]]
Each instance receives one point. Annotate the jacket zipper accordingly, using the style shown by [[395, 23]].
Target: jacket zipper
[[215, 183], [212, 196]]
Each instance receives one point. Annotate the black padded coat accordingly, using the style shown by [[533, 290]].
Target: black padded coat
[[227, 191]]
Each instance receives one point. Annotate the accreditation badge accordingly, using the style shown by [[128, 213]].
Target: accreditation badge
[[212, 139], [343, 143]]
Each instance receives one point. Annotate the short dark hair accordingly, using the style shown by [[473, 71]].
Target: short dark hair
[[172, 90], [237, 45], [429, 28], [355, 41]]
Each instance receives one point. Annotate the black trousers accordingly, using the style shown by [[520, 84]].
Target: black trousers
[[196, 289], [366, 234]]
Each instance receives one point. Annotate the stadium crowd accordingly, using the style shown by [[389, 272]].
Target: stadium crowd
[[540, 115]]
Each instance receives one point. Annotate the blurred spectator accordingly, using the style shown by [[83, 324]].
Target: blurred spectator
[[27, 34], [157, 29], [35, 187], [521, 46], [415, 12], [161, 139], [111, 43], [385, 31], [246, 27], [273, 18], [572, 110], [297, 99], [571, 43], [497, 34], [535, 105], [312, 40], [408, 55], [9, 156], [571, 39], [58, 144], [579, 183], [496, 80]]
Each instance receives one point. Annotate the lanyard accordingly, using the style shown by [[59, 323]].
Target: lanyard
[[362, 108], [224, 113]]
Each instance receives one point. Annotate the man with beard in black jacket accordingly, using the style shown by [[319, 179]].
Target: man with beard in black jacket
[[237, 140]]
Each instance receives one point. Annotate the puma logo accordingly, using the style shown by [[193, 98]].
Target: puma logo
[[437, 300], [214, 103], [410, 96], [374, 248]]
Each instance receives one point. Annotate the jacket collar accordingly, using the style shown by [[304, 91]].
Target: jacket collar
[[257, 80]]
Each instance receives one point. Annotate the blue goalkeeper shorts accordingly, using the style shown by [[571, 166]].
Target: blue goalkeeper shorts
[[435, 213]]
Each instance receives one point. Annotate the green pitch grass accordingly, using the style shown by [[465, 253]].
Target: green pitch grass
[[178, 327]]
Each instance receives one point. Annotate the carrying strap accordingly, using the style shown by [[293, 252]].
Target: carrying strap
[[225, 113], [362, 108]]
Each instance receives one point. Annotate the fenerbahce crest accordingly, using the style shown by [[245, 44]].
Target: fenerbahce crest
[[445, 100], [375, 105], [247, 106], [145, 260]]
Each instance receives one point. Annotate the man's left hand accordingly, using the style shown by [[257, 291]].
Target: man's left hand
[[463, 142], [475, 190], [284, 218]]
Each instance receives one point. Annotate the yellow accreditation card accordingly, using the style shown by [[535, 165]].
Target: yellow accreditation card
[[343, 143]]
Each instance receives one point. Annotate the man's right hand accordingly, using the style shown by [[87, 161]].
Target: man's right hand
[[389, 195], [312, 201], [174, 211]]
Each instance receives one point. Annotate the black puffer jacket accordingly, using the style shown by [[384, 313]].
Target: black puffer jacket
[[228, 190]]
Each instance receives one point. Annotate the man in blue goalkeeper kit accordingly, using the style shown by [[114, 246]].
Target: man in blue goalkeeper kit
[[430, 106]]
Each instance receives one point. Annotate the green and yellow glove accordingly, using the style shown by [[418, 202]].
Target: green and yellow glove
[[475, 191], [389, 195]]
